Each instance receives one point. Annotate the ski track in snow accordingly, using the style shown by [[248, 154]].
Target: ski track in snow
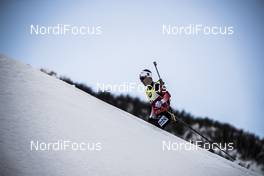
[[35, 106]]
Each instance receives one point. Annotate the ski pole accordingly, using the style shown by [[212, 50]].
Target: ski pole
[[231, 157], [155, 64]]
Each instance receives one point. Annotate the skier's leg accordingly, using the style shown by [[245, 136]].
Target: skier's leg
[[153, 121], [172, 116], [164, 119]]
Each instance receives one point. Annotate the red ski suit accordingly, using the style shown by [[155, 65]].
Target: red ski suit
[[163, 96]]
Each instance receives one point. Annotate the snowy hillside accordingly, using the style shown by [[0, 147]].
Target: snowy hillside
[[37, 107]]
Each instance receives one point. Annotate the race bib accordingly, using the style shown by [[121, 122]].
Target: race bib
[[163, 120]]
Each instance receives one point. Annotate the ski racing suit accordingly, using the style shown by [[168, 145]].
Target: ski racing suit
[[159, 99]]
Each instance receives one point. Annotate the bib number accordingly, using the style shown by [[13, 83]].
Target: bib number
[[163, 120]]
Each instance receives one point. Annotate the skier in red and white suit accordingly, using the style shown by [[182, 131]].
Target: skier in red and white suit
[[159, 99]]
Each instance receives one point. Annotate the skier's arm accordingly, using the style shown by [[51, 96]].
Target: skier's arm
[[166, 97], [163, 104], [164, 93]]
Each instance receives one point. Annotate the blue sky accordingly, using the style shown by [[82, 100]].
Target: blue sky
[[214, 76]]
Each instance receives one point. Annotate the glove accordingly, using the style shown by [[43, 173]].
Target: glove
[[158, 104]]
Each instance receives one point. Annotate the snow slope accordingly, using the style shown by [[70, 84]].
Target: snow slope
[[38, 107]]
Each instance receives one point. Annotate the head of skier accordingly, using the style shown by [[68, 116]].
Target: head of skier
[[146, 77]]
